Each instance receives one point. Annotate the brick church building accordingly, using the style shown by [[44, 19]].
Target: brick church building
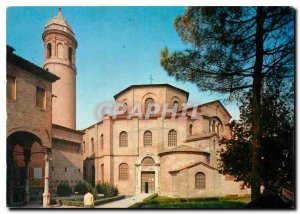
[[168, 155]]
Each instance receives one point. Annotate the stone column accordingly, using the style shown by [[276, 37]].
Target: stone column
[[27, 155], [46, 194], [9, 179], [157, 181], [138, 179]]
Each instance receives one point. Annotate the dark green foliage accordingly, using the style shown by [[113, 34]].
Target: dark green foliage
[[269, 201], [151, 197], [98, 201], [72, 203], [277, 144], [221, 50], [82, 187], [63, 189], [109, 199], [236, 50], [107, 189], [190, 203]]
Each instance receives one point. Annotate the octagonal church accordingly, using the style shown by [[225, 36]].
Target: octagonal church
[[170, 155]]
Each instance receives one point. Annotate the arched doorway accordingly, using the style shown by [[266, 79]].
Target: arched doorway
[[25, 168], [147, 173]]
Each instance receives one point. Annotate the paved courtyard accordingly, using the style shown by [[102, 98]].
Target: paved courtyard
[[126, 202]]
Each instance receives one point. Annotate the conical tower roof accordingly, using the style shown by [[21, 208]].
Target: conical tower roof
[[59, 23]]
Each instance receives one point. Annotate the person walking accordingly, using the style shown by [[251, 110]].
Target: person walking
[[88, 199]]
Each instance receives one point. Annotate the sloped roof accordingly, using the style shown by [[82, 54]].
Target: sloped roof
[[192, 164], [183, 148], [60, 20], [29, 66], [151, 85], [213, 102]]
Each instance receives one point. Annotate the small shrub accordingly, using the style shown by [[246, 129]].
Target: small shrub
[[107, 189], [82, 187], [63, 189], [72, 203]]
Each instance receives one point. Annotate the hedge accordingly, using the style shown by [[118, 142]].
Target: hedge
[[72, 203], [110, 199], [146, 200], [78, 203], [150, 197]]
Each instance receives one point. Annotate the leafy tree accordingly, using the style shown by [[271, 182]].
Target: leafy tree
[[277, 149], [232, 50]]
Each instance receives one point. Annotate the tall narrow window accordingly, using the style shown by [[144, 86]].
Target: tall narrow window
[[92, 145], [102, 173], [214, 126], [172, 138], [148, 101], [40, 98], [125, 107], [83, 147], [60, 51], [101, 141], [123, 171], [191, 129], [70, 54], [175, 105], [11, 87], [123, 139], [199, 180], [49, 50], [147, 138]]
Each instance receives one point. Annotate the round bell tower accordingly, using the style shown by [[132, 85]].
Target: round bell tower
[[60, 55]]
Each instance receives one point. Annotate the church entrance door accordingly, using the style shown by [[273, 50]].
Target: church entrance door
[[148, 182]]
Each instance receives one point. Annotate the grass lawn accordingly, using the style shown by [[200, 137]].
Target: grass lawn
[[231, 202]]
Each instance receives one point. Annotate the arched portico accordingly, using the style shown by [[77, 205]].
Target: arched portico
[[147, 164], [26, 171]]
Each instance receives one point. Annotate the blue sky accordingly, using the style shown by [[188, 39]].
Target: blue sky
[[117, 47]]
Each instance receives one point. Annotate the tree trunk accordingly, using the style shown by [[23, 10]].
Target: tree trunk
[[257, 79]]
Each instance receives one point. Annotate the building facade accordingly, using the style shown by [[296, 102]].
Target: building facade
[[170, 156], [166, 154], [60, 55], [29, 129]]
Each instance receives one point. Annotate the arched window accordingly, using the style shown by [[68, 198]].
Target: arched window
[[92, 145], [214, 126], [123, 171], [200, 180], [147, 161], [209, 126], [218, 128], [49, 50], [147, 138], [60, 51], [172, 138], [83, 146], [101, 141], [147, 102], [123, 139], [102, 173], [175, 105], [125, 107], [191, 129], [70, 54]]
